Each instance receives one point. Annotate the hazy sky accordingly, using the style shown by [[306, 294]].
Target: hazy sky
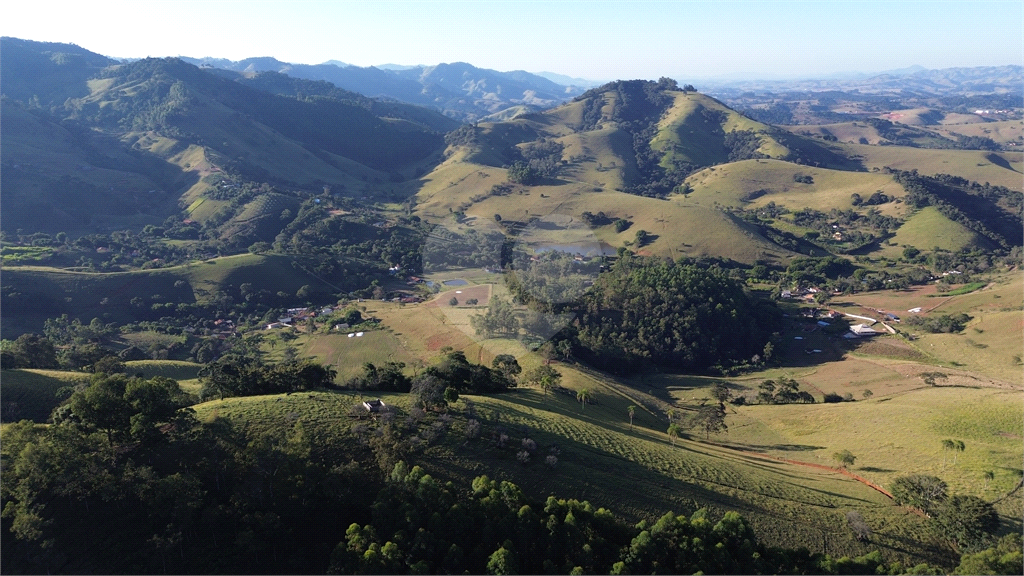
[[593, 39]]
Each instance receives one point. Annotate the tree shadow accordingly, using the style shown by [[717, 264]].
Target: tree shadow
[[875, 469]]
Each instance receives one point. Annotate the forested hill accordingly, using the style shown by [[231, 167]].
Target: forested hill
[[139, 141], [172, 95]]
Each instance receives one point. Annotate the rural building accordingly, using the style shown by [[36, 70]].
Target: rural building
[[374, 405], [860, 331]]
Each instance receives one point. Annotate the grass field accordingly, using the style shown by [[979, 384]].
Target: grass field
[[773, 179], [928, 229], [1001, 132], [971, 164], [347, 355], [31, 394], [638, 473]]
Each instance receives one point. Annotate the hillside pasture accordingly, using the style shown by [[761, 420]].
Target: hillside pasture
[[901, 434], [928, 229], [1001, 132], [754, 183], [347, 355], [970, 164], [32, 394], [638, 474]]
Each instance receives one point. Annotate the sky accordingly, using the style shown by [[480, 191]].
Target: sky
[[596, 40]]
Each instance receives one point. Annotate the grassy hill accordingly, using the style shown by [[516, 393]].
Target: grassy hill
[[929, 228], [50, 292]]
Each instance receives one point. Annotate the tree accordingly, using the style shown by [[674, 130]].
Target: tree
[[845, 458], [868, 394], [673, 433], [967, 521], [955, 446], [918, 490], [109, 365], [632, 412], [31, 351], [958, 446], [709, 419], [453, 301], [721, 392], [503, 561], [1003, 558], [858, 525], [429, 390], [583, 396], [507, 365], [989, 476], [544, 376], [451, 395]]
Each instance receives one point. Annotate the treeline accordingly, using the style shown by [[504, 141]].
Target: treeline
[[975, 207]]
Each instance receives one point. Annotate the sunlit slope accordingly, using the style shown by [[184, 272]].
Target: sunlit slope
[[637, 474], [597, 164], [928, 228], [998, 168], [757, 182], [693, 131]]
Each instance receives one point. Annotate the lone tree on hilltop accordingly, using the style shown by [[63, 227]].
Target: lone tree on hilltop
[[844, 458]]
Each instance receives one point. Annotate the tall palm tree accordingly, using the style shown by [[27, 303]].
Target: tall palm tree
[[583, 396], [632, 412]]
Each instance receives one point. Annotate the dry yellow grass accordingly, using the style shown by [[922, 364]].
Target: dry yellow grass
[[970, 164]]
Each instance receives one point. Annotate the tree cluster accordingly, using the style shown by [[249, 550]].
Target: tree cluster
[[676, 315], [225, 378]]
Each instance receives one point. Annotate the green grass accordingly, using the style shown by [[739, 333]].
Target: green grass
[[347, 355], [31, 394], [173, 369], [637, 474], [15, 255], [929, 228], [965, 289]]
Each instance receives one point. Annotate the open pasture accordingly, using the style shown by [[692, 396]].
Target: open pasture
[[928, 229], [347, 355], [971, 164], [1001, 132], [757, 182], [902, 434]]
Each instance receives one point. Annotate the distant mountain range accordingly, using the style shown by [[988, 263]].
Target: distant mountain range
[[915, 81], [459, 90]]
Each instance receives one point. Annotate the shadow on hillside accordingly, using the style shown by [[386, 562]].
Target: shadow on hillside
[[999, 161], [875, 469]]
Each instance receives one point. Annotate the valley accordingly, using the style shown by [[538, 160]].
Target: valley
[[638, 296]]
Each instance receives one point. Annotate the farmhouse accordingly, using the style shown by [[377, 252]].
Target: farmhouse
[[860, 331], [374, 405]]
